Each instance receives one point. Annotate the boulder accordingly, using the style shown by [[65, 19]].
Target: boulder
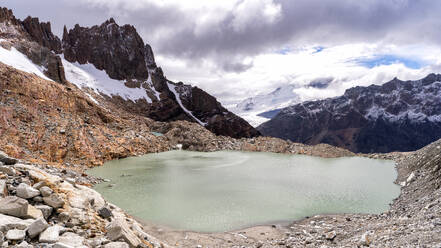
[[14, 206], [25, 191], [46, 210], [15, 234], [69, 239], [39, 185], [6, 159], [46, 191], [61, 245], [25, 244], [54, 200], [105, 213], [9, 222], [8, 170], [34, 213], [118, 229], [37, 227], [3, 188], [50, 235], [116, 245]]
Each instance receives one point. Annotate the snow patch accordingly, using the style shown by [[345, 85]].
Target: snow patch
[[87, 76], [152, 87], [172, 88], [19, 61]]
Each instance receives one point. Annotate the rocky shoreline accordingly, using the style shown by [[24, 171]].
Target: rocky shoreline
[[44, 206]]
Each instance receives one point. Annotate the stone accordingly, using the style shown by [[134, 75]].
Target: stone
[[331, 235], [3, 188], [14, 206], [38, 199], [117, 245], [5, 159], [118, 229], [46, 210], [25, 244], [63, 217], [34, 213], [54, 200], [61, 245], [39, 185], [8, 170], [411, 178], [50, 235], [37, 227], [105, 212], [46, 191], [10, 222], [70, 239], [25, 191], [15, 234], [70, 180], [365, 239]]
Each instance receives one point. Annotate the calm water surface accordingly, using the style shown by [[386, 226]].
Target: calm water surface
[[224, 191]]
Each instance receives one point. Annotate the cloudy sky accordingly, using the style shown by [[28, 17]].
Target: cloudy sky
[[235, 49]]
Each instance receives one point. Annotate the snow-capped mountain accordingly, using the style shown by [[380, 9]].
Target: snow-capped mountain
[[251, 108], [111, 63], [261, 108], [396, 116]]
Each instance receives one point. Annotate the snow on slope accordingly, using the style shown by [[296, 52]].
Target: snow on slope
[[250, 108], [172, 88], [19, 61], [87, 76]]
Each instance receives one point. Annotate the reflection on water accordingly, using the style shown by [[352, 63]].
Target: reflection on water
[[223, 191]]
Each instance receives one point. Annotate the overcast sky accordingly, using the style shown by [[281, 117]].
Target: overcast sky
[[238, 48]]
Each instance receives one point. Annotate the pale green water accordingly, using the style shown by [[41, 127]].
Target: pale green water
[[224, 191]]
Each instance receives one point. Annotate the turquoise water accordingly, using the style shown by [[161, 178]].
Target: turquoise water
[[224, 191]]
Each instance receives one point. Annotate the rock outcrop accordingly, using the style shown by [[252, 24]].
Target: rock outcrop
[[7, 16], [41, 33], [397, 116], [121, 52]]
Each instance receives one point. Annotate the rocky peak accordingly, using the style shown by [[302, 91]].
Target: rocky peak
[[119, 50], [41, 33], [6, 15]]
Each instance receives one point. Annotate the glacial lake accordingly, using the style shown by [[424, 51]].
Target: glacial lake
[[225, 191]]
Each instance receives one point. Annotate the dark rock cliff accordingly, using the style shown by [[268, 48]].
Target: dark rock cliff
[[42, 33], [121, 52]]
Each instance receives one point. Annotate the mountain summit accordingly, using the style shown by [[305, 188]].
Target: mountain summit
[[113, 62], [396, 116]]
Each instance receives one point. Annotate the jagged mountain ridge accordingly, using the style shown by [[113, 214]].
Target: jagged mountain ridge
[[396, 116], [120, 52]]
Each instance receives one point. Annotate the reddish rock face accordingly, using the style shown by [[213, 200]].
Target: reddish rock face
[[119, 50], [42, 33]]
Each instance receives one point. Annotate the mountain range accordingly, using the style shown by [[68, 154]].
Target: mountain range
[[396, 116]]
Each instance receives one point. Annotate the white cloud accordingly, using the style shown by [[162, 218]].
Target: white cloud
[[301, 66], [252, 12]]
